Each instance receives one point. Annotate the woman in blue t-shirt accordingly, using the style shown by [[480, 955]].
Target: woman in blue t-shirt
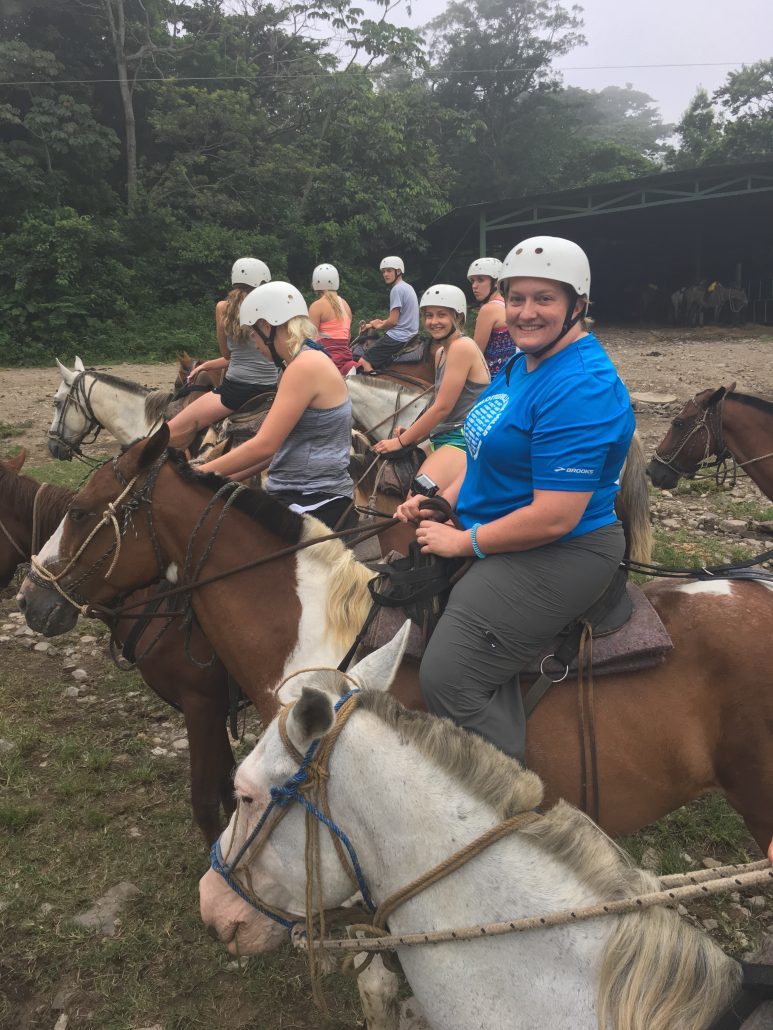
[[546, 442]]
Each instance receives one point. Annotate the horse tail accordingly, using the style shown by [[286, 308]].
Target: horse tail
[[634, 504]]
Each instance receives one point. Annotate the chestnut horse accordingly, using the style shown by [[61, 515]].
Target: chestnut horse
[[696, 723], [29, 514], [717, 422]]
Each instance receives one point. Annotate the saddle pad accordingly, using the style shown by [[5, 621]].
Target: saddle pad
[[641, 643]]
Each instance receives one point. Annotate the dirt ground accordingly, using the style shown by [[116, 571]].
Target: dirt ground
[[666, 360]]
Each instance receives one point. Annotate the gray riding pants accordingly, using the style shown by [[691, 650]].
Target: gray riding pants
[[504, 611]]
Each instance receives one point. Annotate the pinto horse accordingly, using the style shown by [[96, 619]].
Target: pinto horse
[[696, 723], [717, 423]]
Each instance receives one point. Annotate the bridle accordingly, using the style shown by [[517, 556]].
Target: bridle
[[709, 421], [79, 398], [308, 788], [118, 515]]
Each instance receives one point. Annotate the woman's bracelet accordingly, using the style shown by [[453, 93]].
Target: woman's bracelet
[[399, 440], [474, 538]]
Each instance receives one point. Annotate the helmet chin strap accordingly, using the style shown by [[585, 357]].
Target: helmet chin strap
[[490, 294], [269, 342]]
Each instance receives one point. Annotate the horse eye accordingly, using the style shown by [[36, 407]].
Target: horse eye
[[678, 423], [246, 800], [76, 514]]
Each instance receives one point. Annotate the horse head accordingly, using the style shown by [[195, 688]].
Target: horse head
[[277, 872], [73, 419], [91, 558], [14, 530], [695, 434]]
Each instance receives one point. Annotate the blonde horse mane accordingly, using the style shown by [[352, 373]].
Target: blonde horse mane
[[348, 599], [658, 972]]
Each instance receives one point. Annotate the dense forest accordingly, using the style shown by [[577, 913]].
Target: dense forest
[[144, 144]]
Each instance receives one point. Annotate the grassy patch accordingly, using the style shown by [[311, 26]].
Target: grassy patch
[[72, 474], [8, 430], [683, 549]]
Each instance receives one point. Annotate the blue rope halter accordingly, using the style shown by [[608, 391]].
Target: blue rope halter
[[290, 790]]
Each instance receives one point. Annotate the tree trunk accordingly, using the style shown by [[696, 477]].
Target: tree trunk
[[116, 18]]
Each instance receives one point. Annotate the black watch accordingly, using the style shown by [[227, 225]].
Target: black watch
[[424, 485]]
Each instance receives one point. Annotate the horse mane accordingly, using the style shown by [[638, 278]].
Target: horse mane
[[122, 384], [156, 404], [658, 972], [19, 493], [382, 382], [261, 507], [751, 401]]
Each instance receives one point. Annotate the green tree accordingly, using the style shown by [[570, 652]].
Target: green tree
[[747, 97], [699, 132]]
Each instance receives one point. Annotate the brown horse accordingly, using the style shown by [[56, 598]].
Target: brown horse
[[717, 422], [699, 722], [29, 514]]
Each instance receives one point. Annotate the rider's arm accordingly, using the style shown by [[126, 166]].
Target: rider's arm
[[297, 388], [551, 515], [315, 312], [220, 310], [458, 366], [487, 318], [388, 322]]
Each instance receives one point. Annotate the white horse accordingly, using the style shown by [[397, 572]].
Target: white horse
[[87, 401], [379, 404], [409, 790]]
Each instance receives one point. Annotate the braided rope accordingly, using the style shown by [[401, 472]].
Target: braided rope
[[670, 897]]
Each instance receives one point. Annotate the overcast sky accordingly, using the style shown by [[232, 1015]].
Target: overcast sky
[[619, 32]]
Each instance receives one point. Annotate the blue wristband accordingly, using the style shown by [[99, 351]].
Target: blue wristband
[[474, 538]]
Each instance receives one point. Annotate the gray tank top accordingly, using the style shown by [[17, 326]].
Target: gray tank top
[[315, 456], [467, 398], [248, 365]]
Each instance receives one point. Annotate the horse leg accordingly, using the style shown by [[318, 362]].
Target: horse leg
[[212, 762], [378, 989]]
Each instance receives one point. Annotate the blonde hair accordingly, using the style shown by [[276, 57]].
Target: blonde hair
[[231, 325], [299, 329], [334, 301]]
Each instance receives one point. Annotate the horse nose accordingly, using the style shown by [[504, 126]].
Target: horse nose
[[21, 602], [213, 933]]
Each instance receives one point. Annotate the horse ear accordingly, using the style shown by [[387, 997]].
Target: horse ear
[[716, 397], [66, 374], [731, 387], [378, 669], [310, 718], [79, 366], [18, 460], [155, 446]]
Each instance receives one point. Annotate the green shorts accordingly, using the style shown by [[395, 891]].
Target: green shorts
[[451, 438]]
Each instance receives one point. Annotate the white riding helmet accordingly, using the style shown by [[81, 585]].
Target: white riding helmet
[[275, 302], [250, 271], [485, 266], [549, 257], [445, 296], [325, 277], [395, 263]]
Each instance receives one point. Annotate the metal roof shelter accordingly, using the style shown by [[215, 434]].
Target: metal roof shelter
[[671, 229]]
